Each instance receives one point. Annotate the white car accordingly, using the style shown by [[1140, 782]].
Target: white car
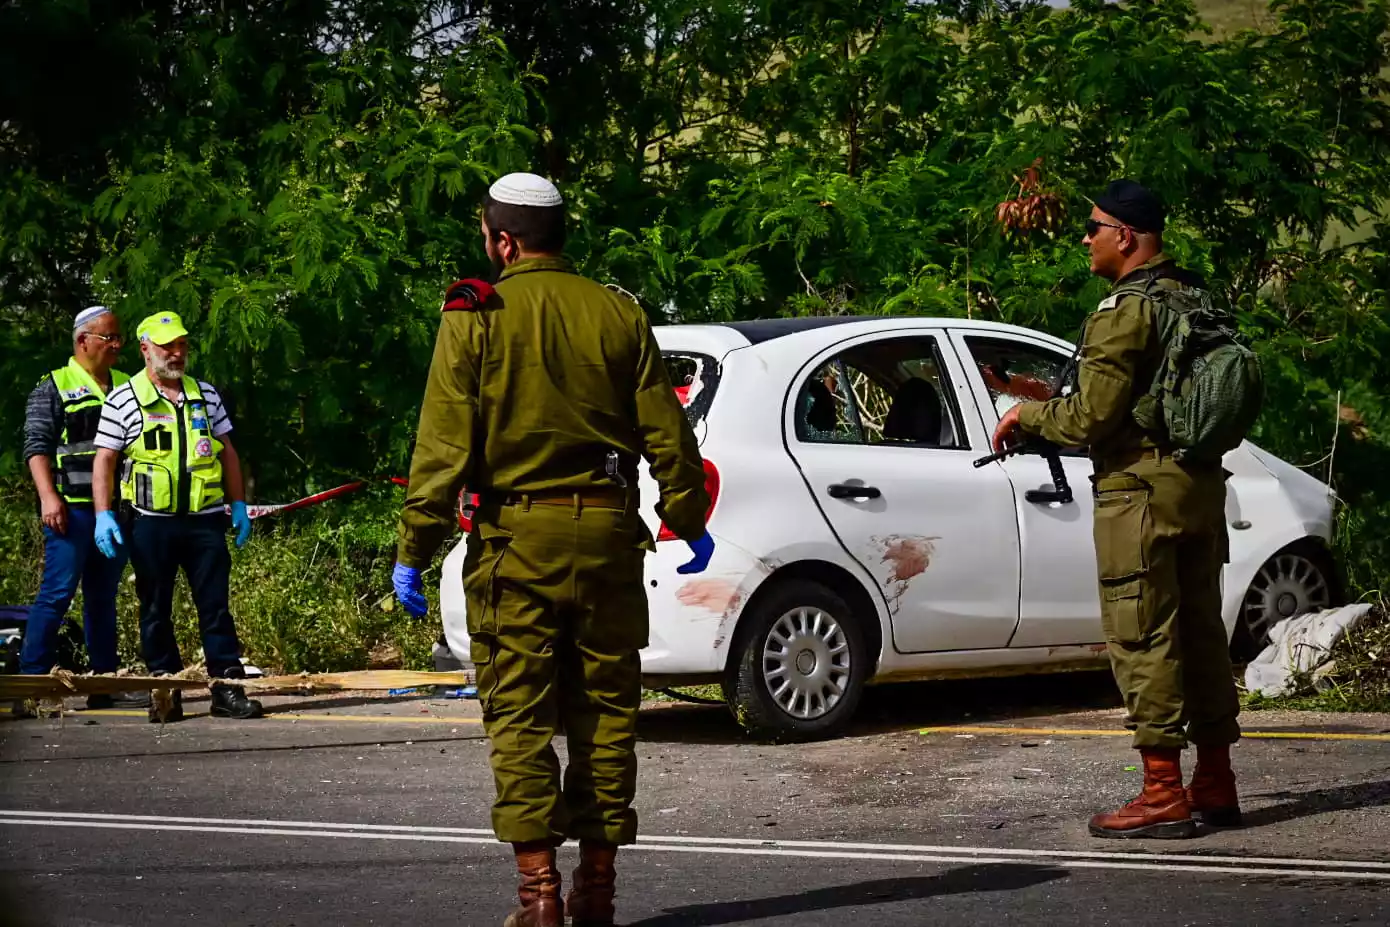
[[858, 543]]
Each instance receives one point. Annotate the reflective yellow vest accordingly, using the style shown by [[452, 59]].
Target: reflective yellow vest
[[173, 467], [82, 397]]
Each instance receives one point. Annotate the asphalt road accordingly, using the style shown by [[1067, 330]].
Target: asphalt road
[[346, 811]]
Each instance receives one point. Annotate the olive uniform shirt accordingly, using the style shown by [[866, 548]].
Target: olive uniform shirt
[[529, 392], [1121, 352]]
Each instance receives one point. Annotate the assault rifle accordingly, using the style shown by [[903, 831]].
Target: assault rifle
[[1061, 491], [1061, 487]]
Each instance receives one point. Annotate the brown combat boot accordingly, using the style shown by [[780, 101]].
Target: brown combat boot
[[539, 893], [590, 901], [1212, 794], [1161, 810]]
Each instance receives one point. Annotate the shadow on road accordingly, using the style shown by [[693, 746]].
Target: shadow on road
[[963, 881], [1295, 805], [899, 706]]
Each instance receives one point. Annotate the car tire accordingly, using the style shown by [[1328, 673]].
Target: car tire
[[804, 635], [1299, 579]]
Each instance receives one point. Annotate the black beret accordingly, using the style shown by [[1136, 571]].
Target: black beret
[[1134, 205]]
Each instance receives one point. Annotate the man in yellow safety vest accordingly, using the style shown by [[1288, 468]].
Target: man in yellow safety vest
[[60, 424], [172, 437]]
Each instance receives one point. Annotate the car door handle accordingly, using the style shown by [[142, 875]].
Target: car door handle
[[846, 491], [1047, 496]]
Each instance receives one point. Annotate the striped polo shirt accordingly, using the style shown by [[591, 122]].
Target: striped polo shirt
[[121, 423]]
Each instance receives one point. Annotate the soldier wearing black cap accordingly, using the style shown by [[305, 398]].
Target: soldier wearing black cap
[[1160, 532]]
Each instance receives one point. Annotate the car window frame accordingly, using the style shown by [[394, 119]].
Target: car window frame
[[960, 340], [950, 388]]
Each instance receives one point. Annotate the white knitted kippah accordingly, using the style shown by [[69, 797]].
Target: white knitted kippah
[[523, 189], [86, 315]]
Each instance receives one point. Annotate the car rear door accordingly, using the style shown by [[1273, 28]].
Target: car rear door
[[875, 426], [1060, 597]]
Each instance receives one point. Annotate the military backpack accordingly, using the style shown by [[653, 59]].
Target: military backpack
[[1208, 390]]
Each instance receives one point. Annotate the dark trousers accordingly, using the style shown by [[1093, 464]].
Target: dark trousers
[[69, 559], [159, 546]]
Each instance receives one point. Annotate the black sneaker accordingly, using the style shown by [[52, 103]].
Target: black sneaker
[[101, 701], [231, 702]]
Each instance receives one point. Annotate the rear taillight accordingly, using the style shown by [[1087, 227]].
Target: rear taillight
[[711, 487]]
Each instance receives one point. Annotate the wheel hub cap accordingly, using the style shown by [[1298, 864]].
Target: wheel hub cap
[[806, 663], [1288, 585]]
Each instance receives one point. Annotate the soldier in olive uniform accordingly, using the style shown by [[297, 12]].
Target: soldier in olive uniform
[[1160, 533], [542, 396]]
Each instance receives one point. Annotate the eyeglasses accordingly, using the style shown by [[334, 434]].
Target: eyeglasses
[[106, 338], [1093, 227]]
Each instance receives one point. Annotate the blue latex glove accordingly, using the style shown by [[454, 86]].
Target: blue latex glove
[[406, 579], [703, 549], [241, 522], [108, 534]]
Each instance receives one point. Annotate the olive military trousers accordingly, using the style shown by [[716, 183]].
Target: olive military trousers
[[557, 615], [1161, 542]]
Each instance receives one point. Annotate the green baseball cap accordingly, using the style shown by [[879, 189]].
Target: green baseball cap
[[161, 328]]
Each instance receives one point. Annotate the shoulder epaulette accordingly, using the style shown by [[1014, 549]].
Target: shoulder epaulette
[[467, 294]]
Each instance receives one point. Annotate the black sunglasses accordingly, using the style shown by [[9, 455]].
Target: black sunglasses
[[1093, 227]]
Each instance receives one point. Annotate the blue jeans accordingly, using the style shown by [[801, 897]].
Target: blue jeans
[[67, 560]]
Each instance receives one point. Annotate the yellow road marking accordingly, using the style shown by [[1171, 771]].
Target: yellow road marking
[[962, 729], [1086, 732], [287, 716]]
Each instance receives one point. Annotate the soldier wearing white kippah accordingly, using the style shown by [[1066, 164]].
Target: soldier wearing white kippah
[[543, 396]]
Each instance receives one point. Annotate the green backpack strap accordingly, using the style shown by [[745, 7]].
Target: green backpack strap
[[1148, 408]]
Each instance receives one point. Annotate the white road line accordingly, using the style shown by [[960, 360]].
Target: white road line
[[801, 849], [249, 822], [1120, 856]]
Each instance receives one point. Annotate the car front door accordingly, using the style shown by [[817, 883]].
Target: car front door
[[875, 426], [1060, 598]]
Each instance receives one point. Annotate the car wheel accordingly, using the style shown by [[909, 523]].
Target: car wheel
[[800, 664], [1295, 581]]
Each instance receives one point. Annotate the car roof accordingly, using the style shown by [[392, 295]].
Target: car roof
[[718, 338], [759, 330]]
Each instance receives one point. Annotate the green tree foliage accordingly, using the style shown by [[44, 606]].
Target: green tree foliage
[[301, 180]]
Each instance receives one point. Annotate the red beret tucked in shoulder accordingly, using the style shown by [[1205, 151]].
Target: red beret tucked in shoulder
[[467, 294]]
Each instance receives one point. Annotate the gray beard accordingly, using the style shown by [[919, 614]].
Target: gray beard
[[169, 371]]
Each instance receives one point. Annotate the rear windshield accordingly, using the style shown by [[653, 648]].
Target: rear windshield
[[695, 377]]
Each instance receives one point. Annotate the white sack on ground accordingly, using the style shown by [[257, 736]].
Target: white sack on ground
[[1300, 645]]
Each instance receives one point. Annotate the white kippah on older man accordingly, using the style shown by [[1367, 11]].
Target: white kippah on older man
[[88, 314]]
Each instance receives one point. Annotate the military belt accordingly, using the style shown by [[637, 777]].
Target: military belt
[[1126, 459], [585, 498]]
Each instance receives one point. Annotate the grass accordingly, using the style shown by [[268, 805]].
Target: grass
[[709, 693]]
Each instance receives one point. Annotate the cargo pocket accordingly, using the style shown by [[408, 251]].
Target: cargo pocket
[[1123, 531], [153, 487], [481, 592]]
